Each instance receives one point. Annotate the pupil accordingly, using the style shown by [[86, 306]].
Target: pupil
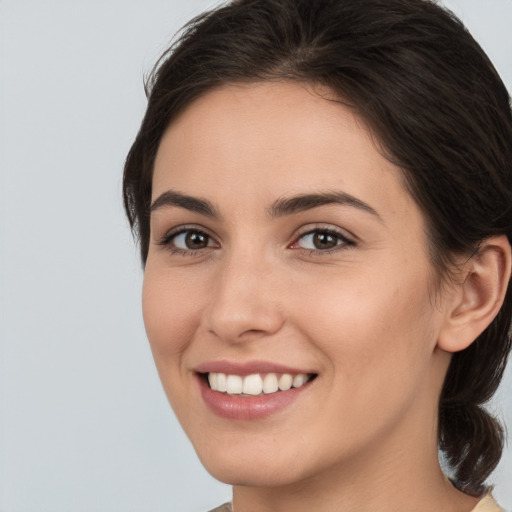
[[324, 241], [196, 240]]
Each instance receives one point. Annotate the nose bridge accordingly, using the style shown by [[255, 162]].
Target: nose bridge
[[243, 304]]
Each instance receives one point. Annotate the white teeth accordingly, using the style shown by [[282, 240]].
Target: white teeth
[[270, 383], [255, 384], [213, 379], [285, 382], [222, 382], [299, 380], [234, 384]]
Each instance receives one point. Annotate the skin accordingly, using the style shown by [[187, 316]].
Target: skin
[[363, 316]]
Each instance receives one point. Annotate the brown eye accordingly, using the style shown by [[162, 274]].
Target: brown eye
[[322, 240], [191, 240], [194, 240]]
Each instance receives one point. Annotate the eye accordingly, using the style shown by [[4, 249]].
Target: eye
[[322, 240], [191, 240], [188, 240]]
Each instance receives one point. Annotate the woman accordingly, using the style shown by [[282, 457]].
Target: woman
[[322, 190]]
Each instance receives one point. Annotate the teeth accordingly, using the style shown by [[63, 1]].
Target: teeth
[[234, 384], [299, 380], [270, 383], [213, 380], [255, 384], [222, 382], [285, 382]]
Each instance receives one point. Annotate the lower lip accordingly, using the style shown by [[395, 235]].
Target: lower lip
[[248, 407]]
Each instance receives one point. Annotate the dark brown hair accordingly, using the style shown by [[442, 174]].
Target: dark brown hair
[[438, 109]]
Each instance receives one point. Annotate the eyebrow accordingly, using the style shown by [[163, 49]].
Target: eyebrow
[[280, 208], [303, 202], [193, 204]]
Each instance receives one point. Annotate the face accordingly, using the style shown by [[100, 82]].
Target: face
[[284, 252]]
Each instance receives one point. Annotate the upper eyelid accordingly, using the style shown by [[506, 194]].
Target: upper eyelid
[[328, 228]]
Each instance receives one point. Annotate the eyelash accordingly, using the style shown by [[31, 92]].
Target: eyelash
[[343, 241]]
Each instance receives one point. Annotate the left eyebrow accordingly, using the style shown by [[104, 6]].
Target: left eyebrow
[[300, 203], [193, 204]]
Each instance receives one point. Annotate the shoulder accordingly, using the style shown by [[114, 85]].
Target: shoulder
[[223, 508], [487, 504]]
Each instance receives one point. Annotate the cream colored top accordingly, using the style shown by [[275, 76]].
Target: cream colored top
[[487, 504]]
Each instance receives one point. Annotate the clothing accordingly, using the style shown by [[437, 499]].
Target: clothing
[[487, 504], [223, 508]]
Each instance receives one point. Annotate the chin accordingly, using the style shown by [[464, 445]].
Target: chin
[[260, 465], [252, 474]]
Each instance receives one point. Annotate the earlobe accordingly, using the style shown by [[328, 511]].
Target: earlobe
[[478, 297]]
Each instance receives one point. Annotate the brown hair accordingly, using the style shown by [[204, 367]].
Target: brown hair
[[436, 105]]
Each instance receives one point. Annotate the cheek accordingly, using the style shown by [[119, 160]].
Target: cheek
[[171, 314], [373, 333]]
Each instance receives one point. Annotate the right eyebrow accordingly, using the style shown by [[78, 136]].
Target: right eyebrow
[[193, 204], [302, 202]]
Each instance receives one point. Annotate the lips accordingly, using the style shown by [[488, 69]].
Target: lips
[[250, 391]]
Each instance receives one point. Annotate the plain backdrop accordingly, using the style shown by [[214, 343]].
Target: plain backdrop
[[84, 424]]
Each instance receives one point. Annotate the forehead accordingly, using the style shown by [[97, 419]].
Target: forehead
[[276, 138]]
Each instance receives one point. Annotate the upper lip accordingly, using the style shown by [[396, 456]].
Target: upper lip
[[247, 368]]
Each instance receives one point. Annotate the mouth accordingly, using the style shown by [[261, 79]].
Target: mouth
[[256, 384], [251, 390]]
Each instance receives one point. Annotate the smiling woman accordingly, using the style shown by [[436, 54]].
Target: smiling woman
[[322, 191]]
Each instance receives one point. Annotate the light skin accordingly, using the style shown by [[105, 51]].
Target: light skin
[[280, 233]]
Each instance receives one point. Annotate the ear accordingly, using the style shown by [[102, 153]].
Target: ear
[[478, 296]]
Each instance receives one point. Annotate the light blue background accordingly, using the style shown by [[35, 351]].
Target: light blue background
[[84, 424]]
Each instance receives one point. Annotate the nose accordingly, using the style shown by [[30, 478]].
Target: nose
[[244, 304]]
